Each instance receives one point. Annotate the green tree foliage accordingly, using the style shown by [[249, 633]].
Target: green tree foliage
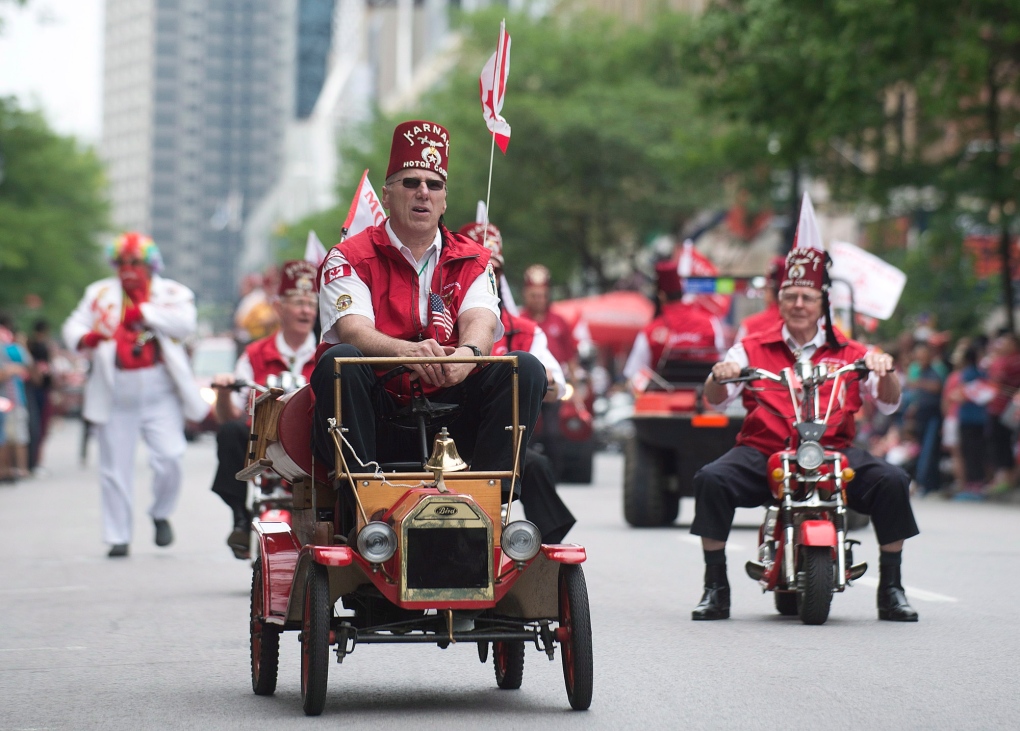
[[609, 144], [52, 210]]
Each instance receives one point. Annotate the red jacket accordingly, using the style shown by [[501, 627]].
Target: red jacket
[[518, 334], [266, 360], [769, 420], [394, 285], [682, 331], [759, 321], [561, 340]]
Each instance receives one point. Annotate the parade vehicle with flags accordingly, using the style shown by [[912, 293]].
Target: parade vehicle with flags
[[434, 558]]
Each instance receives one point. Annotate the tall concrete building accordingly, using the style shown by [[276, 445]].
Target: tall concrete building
[[196, 97]]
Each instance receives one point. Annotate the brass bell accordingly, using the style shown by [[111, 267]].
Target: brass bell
[[444, 458]]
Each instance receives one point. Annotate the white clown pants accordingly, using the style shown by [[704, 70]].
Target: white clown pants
[[144, 403]]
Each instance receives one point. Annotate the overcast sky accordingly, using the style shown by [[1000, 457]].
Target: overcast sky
[[51, 59]]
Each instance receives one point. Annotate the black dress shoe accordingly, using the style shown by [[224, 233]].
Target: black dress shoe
[[118, 550], [715, 603], [893, 605], [164, 534], [239, 541]]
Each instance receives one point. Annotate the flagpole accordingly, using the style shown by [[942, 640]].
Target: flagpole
[[492, 147]]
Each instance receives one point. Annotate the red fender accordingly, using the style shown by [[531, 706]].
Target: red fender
[[817, 533], [570, 553]]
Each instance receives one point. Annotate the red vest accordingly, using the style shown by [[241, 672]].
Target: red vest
[[561, 340], [518, 334], [682, 331], [769, 419], [764, 320], [266, 360], [394, 285]]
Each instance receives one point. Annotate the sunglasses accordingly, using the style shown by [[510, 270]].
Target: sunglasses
[[415, 183], [129, 262]]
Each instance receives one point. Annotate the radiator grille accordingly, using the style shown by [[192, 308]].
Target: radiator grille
[[447, 558]]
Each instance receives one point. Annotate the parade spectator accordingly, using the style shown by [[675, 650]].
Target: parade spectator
[[738, 478], [290, 349], [40, 387], [542, 504], [924, 413], [140, 385], [15, 449], [965, 397], [1004, 374], [410, 288]]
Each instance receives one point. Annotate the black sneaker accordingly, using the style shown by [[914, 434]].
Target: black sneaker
[[118, 550], [164, 534]]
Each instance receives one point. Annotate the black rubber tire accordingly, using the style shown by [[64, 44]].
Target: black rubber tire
[[265, 640], [508, 662], [646, 501], [575, 637], [815, 596], [786, 603], [315, 641]]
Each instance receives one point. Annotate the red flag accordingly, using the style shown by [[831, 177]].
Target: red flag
[[492, 86], [366, 208]]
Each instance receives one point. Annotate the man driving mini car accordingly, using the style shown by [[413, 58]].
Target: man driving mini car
[[411, 288], [738, 478]]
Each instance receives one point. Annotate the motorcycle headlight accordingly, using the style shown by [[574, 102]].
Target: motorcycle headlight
[[208, 395], [810, 455], [377, 542], [521, 540]]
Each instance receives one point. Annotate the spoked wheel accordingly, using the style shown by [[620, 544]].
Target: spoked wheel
[[786, 603], [815, 595], [508, 661], [315, 641], [574, 636], [265, 640]]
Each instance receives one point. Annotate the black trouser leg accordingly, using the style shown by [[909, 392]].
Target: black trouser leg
[[357, 409], [542, 505], [882, 491], [735, 480], [231, 448]]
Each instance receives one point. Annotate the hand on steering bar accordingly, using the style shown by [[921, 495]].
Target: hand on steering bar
[[880, 363], [434, 374], [725, 370]]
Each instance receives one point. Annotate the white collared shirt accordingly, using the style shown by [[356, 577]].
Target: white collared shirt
[[296, 360]]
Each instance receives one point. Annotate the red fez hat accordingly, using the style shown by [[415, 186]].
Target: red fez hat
[[488, 236], [297, 278], [774, 270], [804, 268], [536, 276], [668, 277], [419, 144]]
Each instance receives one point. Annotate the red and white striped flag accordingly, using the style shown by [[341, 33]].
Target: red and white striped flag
[[439, 317], [366, 209], [492, 86]]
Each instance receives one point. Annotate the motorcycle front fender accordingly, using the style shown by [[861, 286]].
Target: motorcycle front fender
[[817, 533]]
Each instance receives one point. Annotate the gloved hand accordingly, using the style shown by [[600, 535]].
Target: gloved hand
[[132, 316], [137, 290], [90, 340]]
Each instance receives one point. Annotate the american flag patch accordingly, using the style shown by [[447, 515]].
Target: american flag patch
[[439, 317]]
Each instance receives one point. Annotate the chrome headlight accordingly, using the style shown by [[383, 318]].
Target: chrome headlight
[[810, 455], [521, 540], [377, 542], [208, 395]]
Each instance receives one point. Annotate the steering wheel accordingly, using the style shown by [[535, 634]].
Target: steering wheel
[[420, 413]]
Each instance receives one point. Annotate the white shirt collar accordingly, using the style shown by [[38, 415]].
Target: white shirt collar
[[301, 355], [436, 246], [807, 349]]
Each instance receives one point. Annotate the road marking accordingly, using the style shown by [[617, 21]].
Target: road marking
[[696, 540], [912, 592], [41, 649], [42, 589]]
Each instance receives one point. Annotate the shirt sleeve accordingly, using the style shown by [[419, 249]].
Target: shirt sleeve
[[341, 292], [540, 349], [738, 355], [482, 293]]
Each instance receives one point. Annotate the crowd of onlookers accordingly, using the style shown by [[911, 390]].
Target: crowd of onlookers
[[956, 430], [26, 385]]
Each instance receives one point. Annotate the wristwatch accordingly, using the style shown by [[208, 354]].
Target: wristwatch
[[474, 349]]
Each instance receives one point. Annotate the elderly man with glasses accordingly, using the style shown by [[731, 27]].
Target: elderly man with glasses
[[738, 478], [409, 287]]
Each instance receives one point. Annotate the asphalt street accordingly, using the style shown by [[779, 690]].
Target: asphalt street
[[160, 640]]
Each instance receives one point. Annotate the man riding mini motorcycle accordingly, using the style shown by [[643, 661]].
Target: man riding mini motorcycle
[[739, 478]]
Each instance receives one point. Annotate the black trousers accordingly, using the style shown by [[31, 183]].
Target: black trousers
[[542, 504], [231, 443], [738, 480], [479, 429]]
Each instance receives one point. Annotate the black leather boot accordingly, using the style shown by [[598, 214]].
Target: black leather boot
[[715, 602], [892, 599], [240, 538]]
